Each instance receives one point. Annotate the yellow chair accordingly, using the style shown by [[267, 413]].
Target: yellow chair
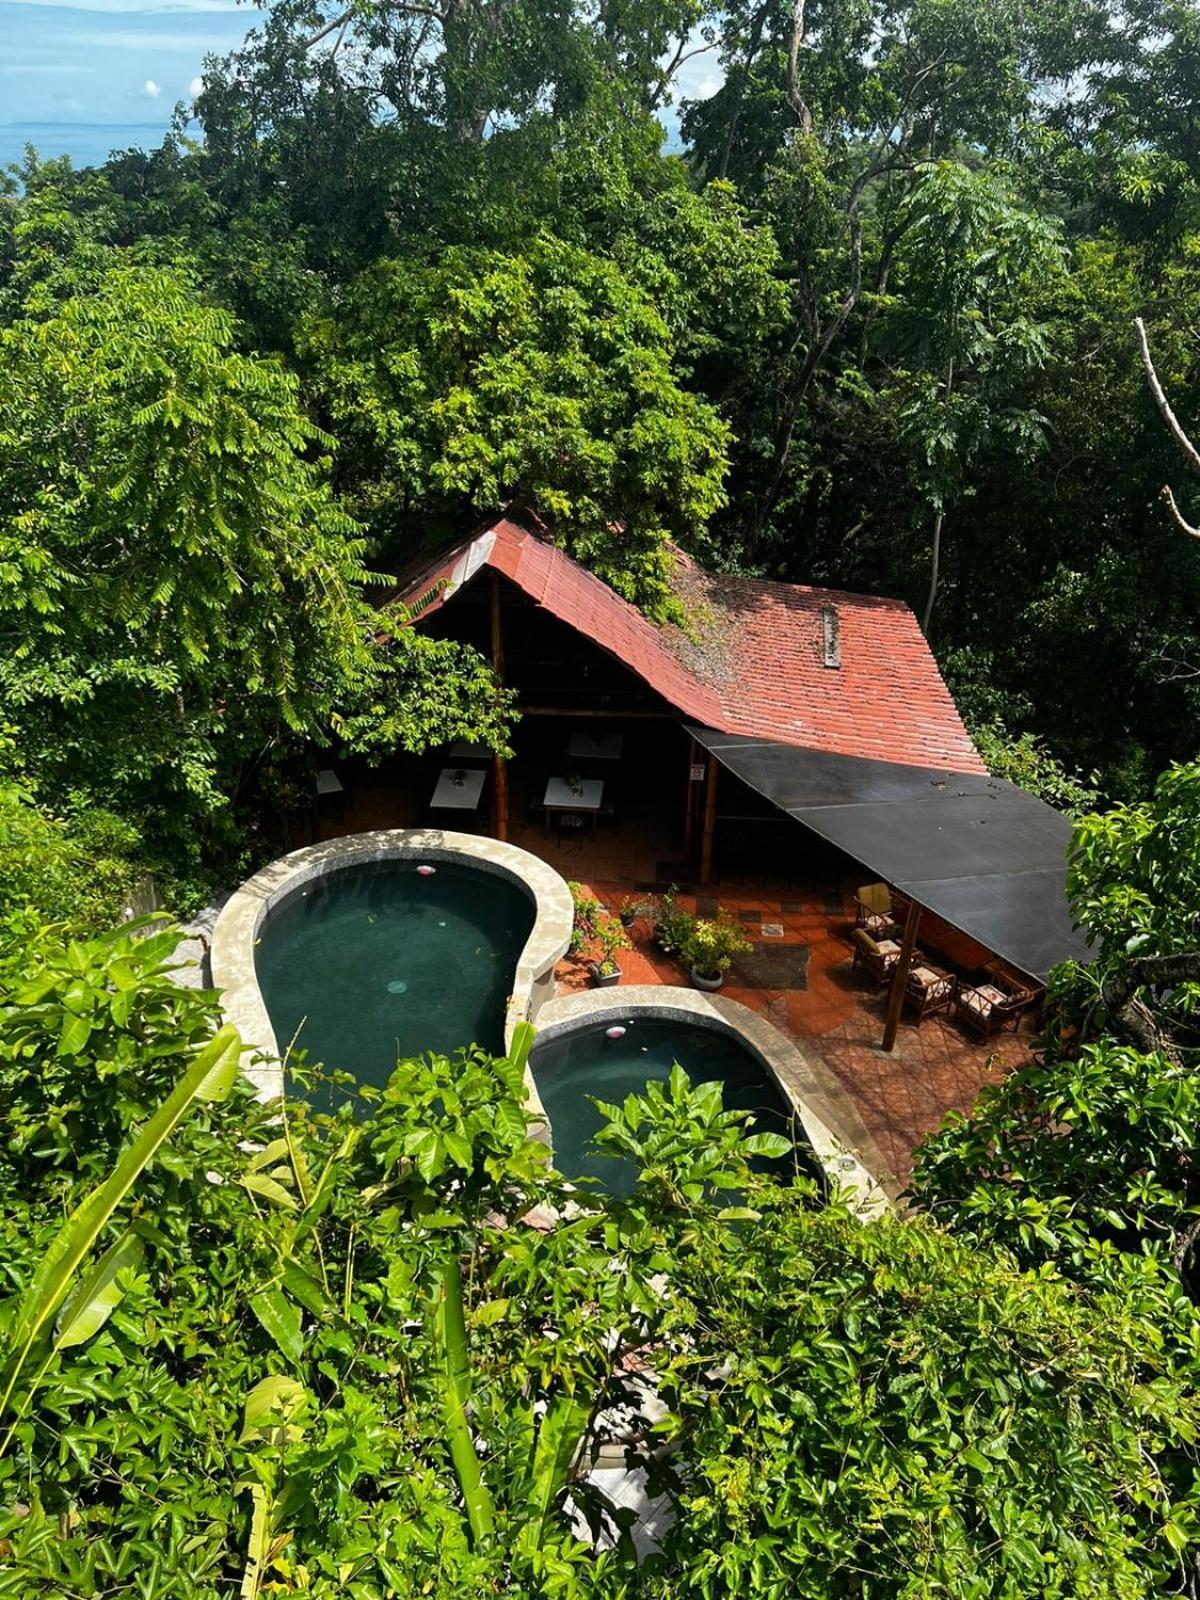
[[877, 959], [873, 910]]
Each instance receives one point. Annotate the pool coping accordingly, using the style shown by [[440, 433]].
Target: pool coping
[[231, 955], [835, 1129]]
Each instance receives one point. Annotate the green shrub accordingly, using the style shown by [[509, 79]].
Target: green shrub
[[76, 870]]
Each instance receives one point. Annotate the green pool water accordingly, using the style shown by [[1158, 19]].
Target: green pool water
[[375, 963], [570, 1066]]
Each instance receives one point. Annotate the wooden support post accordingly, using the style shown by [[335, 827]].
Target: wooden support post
[[689, 815], [710, 821], [499, 767], [900, 976]]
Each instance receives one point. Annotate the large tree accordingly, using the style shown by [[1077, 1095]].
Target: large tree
[[181, 595], [543, 378]]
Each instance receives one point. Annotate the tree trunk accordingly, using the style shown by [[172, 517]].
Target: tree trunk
[[934, 564], [747, 66], [935, 556]]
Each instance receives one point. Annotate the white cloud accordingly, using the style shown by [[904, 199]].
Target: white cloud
[[196, 87], [152, 89]]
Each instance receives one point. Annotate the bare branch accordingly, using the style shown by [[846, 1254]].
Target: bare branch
[[329, 27], [1176, 515], [677, 60], [337, 43], [1190, 453], [406, 8], [799, 103]]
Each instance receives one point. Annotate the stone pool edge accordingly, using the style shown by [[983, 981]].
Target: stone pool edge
[[231, 954], [833, 1124]]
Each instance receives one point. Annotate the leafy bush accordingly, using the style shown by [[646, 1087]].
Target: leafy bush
[[609, 937], [877, 1410], [279, 1394], [77, 871], [350, 1358], [674, 924], [1024, 760], [711, 945], [587, 911]]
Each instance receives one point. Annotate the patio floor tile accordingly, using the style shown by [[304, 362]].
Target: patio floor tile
[[934, 1069]]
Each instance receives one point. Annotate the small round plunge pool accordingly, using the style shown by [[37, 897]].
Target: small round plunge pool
[[589, 1058], [379, 961]]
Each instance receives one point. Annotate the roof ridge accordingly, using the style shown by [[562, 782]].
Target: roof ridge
[[763, 674]]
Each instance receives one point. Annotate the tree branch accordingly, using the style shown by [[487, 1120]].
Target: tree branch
[[338, 21], [798, 102], [1184, 1244], [1190, 453], [1176, 515], [405, 7], [756, 31], [1132, 1016], [681, 55]]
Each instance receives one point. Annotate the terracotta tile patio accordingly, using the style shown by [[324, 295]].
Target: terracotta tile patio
[[837, 1015], [829, 1010]]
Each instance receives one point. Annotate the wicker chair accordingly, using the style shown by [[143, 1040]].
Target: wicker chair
[[876, 958], [928, 990], [873, 910], [986, 1010], [1017, 989]]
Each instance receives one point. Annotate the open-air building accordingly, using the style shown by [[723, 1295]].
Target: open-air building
[[788, 754]]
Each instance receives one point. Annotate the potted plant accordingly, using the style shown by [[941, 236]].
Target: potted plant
[[634, 906], [710, 948], [610, 937], [674, 925], [587, 914]]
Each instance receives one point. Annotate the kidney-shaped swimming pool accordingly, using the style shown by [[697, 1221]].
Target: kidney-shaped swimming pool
[[609, 1056], [372, 963]]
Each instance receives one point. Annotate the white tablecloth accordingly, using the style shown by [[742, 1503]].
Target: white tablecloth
[[458, 789], [585, 796]]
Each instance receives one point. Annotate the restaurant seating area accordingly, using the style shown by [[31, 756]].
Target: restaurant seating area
[[986, 1000], [575, 790]]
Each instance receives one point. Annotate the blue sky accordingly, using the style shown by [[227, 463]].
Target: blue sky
[[70, 72], [81, 79]]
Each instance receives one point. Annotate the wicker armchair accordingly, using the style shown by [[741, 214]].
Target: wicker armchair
[[986, 1009], [1017, 989], [873, 910], [876, 957], [928, 990]]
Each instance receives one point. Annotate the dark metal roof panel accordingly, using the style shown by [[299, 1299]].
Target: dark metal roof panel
[[982, 854]]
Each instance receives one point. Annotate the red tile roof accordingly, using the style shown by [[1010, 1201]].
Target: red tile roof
[[753, 658]]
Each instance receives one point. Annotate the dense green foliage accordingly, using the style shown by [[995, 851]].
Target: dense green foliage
[[262, 1382], [1088, 1157], [542, 379], [893, 1414], [180, 593], [868, 324], [77, 871], [871, 325]]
